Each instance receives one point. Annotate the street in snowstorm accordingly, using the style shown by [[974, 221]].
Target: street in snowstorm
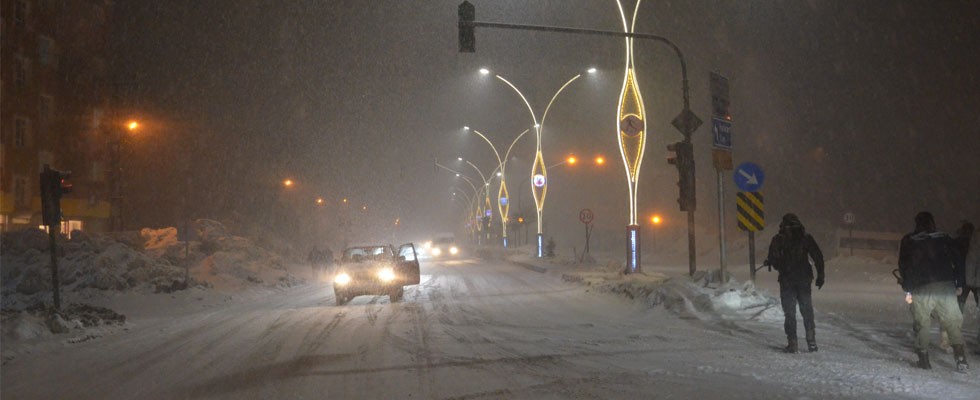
[[489, 199], [489, 329]]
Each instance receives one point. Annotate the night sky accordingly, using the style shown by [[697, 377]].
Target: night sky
[[849, 106]]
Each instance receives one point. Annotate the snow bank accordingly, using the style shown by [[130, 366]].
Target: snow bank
[[154, 261], [703, 297]]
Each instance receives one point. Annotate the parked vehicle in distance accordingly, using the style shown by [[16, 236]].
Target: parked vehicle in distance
[[377, 269]]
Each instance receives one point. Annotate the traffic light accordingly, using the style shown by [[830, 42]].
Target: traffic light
[[682, 157], [467, 34], [54, 184]]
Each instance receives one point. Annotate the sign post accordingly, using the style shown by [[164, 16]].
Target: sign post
[[750, 205], [586, 217], [721, 133]]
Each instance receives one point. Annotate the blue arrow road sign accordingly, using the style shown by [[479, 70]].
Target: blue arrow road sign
[[749, 177], [721, 133]]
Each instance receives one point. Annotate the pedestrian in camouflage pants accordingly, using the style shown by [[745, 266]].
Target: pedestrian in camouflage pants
[[932, 276]]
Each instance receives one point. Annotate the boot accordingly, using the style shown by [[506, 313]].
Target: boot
[[791, 347], [923, 360], [959, 355], [811, 342]]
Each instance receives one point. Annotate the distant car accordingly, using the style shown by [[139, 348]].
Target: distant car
[[376, 269], [444, 247]]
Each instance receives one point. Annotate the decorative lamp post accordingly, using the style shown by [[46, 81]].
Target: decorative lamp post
[[631, 126], [539, 173]]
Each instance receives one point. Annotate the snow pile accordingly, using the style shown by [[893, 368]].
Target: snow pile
[[703, 297], [154, 261]]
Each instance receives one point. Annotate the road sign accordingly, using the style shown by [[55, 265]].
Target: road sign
[[686, 122], [539, 180], [720, 100], [721, 133], [751, 211], [749, 177], [849, 218], [722, 159], [585, 216]]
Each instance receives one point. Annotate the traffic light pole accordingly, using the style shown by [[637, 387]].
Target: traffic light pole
[[55, 284]]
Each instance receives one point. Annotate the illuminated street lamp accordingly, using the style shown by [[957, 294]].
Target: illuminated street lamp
[[288, 183], [503, 199], [631, 135], [539, 172]]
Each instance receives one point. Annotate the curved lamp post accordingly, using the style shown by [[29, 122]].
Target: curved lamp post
[[539, 172], [503, 198]]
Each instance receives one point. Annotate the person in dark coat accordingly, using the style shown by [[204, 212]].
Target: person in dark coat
[[932, 276], [790, 253]]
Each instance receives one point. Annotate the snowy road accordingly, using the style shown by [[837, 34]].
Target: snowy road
[[475, 330]]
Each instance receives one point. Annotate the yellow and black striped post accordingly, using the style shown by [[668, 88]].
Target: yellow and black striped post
[[751, 218]]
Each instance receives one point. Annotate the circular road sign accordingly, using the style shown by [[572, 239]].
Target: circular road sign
[[749, 177], [539, 180], [586, 216]]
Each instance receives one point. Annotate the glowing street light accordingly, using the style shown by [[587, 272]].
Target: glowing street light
[[539, 172], [132, 125], [288, 183], [631, 135], [319, 200], [503, 200]]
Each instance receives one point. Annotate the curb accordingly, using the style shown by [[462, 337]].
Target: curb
[[534, 268]]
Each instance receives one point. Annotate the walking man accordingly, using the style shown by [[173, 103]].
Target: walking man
[[932, 277], [790, 252]]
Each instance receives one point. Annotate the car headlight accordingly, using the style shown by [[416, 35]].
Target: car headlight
[[386, 274], [427, 245], [342, 279], [436, 251], [453, 250]]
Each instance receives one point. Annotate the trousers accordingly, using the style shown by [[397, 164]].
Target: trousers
[[937, 298], [791, 294]]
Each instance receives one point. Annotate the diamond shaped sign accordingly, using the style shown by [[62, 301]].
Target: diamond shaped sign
[[686, 122]]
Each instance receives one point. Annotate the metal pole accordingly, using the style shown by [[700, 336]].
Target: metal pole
[[55, 286], [721, 224], [691, 253], [752, 255]]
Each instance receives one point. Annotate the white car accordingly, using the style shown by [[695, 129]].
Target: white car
[[376, 270]]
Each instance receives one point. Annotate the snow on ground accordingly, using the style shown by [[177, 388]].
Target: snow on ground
[[145, 273]]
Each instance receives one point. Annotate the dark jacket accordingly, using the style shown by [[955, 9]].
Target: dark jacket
[[927, 257], [791, 250]]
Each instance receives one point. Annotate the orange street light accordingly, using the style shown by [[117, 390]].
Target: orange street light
[[600, 160], [571, 159], [319, 200], [288, 183], [132, 125], [655, 219]]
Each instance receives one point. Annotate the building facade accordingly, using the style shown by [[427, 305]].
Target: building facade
[[53, 102]]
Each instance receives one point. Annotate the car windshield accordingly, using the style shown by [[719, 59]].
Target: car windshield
[[358, 254], [446, 240]]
